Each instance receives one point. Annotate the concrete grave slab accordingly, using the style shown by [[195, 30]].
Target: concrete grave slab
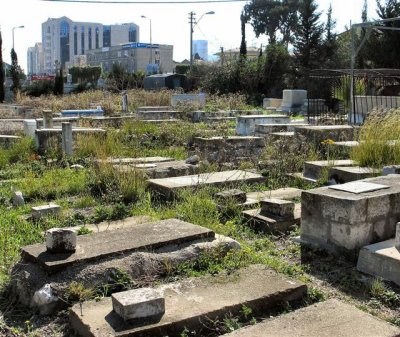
[[246, 124], [316, 169], [347, 174], [269, 223], [190, 302], [277, 207], [358, 187], [169, 186], [103, 244], [141, 160], [345, 222], [326, 319], [287, 193], [381, 259], [157, 170]]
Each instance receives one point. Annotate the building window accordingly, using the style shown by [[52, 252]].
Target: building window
[[64, 42], [106, 36], [132, 34], [75, 40], [97, 38], [82, 40], [90, 38]]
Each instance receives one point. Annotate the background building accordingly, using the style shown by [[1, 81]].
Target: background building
[[64, 40], [35, 59], [133, 57], [200, 47]]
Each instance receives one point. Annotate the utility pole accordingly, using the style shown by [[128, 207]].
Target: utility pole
[[191, 21]]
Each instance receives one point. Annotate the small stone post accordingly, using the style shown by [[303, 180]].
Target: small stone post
[[397, 237], [124, 102], [67, 142], [47, 119], [61, 240]]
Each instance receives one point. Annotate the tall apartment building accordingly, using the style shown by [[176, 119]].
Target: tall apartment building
[[35, 59], [200, 47], [133, 57], [65, 40]]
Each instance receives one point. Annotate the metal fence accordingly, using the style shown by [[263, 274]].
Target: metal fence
[[329, 94]]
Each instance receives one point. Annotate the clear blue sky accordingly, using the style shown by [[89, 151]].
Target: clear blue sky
[[169, 22]]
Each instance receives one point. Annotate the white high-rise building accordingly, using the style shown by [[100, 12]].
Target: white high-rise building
[[200, 47], [64, 40], [35, 59]]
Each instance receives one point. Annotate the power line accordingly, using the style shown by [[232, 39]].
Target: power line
[[157, 2]]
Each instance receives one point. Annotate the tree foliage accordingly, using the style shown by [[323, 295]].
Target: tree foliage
[[120, 79], [15, 72], [85, 74], [271, 17], [59, 83], [2, 90], [309, 38]]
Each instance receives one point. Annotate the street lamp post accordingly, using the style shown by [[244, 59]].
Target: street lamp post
[[13, 34], [151, 42], [194, 23]]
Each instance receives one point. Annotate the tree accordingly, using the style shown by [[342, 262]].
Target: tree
[[15, 72], [308, 46], [2, 90], [330, 43], [59, 82], [243, 47], [271, 17]]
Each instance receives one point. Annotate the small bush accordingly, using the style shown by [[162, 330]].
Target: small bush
[[39, 88]]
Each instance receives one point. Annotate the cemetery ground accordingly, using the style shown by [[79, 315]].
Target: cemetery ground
[[91, 190]]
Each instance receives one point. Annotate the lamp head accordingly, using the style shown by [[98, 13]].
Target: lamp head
[[210, 12]]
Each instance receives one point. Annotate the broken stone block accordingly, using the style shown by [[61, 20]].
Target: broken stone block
[[61, 240], [18, 199], [138, 303], [45, 300], [193, 160], [392, 169], [231, 195], [397, 238], [278, 207], [45, 210]]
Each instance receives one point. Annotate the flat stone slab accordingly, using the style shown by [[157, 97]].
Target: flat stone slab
[[74, 130], [167, 186], [347, 174], [165, 169], [269, 223], [190, 302], [381, 259], [358, 187], [287, 193], [103, 244], [326, 319], [315, 169], [142, 160]]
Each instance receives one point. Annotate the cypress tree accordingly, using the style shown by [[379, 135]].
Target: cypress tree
[[15, 72], [243, 47], [308, 44]]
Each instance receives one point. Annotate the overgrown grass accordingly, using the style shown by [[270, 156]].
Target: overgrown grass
[[379, 139]]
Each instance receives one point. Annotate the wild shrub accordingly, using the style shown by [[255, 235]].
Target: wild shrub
[[379, 140]]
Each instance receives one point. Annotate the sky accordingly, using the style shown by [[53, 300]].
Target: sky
[[170, 23]]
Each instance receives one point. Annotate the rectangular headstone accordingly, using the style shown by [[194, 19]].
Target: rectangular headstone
[[138, 303], [397, 237], [38, 212], [124, 240]]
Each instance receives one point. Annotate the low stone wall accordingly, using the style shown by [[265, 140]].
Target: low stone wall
[[229, 149]]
